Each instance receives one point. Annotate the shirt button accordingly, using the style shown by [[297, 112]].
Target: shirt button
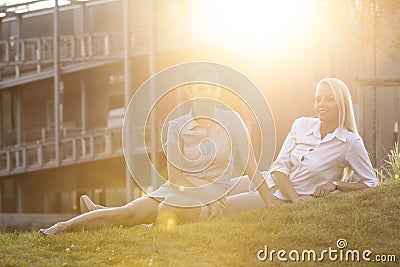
[[311, 149], [302, 158]]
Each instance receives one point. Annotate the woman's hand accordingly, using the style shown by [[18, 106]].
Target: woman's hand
[[284, 184], [216, 209], [324, 189]]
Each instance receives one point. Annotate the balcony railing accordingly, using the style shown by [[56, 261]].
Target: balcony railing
[[74, 148], [40, 154], [34, 55]]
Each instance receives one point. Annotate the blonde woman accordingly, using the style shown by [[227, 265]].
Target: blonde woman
[[319, 156]]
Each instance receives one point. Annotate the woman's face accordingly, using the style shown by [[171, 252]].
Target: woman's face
[[204, 90], [326, 106]]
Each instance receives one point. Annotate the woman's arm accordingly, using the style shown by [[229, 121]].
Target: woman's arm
[[282, 161], [323, 190], [284, 184], [357, 159], [280, 168], [175, 175], [174, 156], [246, 153], [350, 186], [255, 175]]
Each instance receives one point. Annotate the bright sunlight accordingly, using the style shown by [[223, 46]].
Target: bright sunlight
[[250, 23]]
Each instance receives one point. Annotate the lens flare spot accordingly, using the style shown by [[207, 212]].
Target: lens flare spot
[[171, 222]]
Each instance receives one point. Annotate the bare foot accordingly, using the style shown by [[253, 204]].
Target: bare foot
[[54, 230], [86, 204]]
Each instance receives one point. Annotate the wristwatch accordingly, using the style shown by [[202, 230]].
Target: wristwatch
[[335, 184]]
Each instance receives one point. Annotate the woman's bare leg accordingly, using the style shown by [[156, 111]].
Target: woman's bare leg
[[178, 209], [139, 211], [243, 201], [169, 214], [241, 183]]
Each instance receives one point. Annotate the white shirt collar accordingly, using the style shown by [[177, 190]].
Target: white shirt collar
[[192, 124], [316, 131]]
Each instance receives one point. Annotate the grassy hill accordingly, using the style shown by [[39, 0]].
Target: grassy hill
[[366, 220]]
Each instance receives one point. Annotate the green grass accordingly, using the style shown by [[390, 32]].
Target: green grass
[[367, 219]]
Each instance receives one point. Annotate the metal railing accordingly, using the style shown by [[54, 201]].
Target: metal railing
[[40, 154], [30, 55], [83, 147]]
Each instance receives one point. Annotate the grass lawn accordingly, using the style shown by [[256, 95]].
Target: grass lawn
[[367, 220]]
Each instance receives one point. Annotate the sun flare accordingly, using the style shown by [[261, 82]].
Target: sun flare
[[250, 23]]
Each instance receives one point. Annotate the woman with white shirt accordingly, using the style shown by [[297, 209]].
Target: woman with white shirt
[[319, 156]]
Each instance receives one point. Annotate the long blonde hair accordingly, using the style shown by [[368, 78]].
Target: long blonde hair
[[346, 112]]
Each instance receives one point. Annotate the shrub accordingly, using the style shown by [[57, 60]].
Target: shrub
[[391, 165]]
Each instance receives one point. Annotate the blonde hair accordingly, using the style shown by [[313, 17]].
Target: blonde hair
[[343, 100], [346, 112]]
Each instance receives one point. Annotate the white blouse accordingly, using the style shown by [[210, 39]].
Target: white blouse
[[309, 161], [227, 133]]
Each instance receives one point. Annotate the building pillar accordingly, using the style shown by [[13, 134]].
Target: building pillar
[[18, 117], [127, 90], [1, 196], [19, 195], [1, 122], [46, 202], [7, 119], [56, 85], [153, 117], [80, 18], [83, 29], [17, 36], [83, 104]]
